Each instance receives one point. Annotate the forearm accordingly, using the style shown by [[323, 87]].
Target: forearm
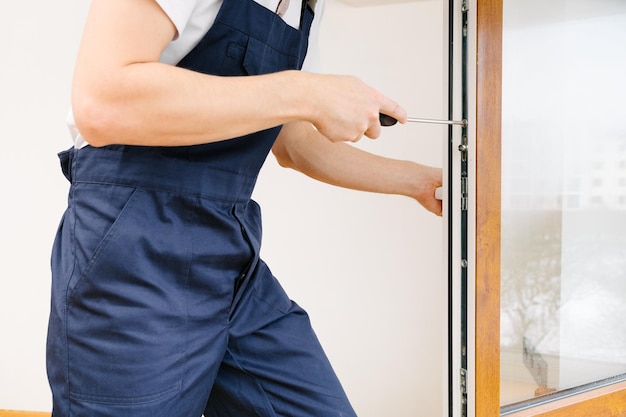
[[302, 148], [344, 165], [155, 104]]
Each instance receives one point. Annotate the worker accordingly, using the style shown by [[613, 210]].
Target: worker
[[161, 306]]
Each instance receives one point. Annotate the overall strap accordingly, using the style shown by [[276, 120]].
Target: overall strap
[[306, 5]]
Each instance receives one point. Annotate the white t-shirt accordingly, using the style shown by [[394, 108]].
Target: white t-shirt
[[193, 18]]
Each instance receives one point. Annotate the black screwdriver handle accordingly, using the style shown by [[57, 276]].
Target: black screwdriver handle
[[386, 120]]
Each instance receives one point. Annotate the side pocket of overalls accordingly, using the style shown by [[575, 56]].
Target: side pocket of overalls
[[97, 211], [124, 294]]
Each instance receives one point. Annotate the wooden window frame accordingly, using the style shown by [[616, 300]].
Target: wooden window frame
[[15, 413], [609, 401]]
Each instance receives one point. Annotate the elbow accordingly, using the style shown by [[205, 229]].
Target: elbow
[[282, 156], [95, 119], [289, 149], [283, 161]]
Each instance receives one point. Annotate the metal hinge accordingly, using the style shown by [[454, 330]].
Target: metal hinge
[[465, 5], [463, 148], [464, 193], [463, 386]]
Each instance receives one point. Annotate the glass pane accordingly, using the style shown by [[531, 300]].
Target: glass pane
[[563, 197]]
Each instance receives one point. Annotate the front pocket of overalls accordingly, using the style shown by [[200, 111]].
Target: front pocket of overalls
[[260, 58], [255, 58], [126, 317]]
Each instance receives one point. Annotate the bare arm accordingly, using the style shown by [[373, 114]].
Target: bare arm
[[302, 148], [122, 94]]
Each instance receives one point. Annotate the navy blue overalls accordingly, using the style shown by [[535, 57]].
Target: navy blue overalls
[[161, 306]]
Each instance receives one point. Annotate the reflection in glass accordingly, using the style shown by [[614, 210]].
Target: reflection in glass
[[563, 196]]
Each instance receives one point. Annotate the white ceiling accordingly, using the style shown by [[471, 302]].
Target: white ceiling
[[374, 2]]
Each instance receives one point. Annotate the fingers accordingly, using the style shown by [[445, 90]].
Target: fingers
[[428, 179], [393, 109], [347, 109], [432, 205], [436, 207], [388, 107], [374, 130]]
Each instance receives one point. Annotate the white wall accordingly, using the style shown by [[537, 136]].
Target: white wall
[[39, 41], [367, 267]]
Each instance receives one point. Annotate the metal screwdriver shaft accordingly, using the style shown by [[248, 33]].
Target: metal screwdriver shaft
[[437, 121], [386, 120]]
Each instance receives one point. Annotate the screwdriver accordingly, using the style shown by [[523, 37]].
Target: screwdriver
[[386, 120]]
